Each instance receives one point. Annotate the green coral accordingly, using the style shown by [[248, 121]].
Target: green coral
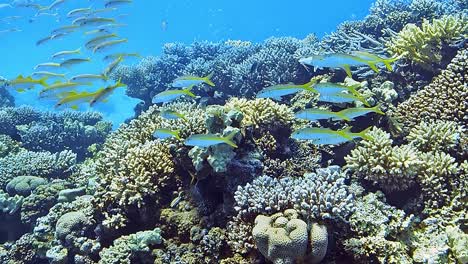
[[423, 44], [390, 167], [435, 136], [24, 185], [134, 248], [8, 145]]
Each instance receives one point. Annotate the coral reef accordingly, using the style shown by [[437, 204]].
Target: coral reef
[[440, 100], [54, 131], [423, 45]]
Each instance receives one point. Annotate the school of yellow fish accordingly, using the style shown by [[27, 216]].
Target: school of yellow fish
[[91, 23], [55, 85]]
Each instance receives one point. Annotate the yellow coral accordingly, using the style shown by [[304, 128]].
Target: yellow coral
[[261, 112], [423, 44]]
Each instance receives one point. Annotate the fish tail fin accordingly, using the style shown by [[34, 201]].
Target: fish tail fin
[[42, 82], [138, 55], [105, 77], [310, 83], [343, 116], [78, 51], [74, 107], [363, 134], [188, 91], [388, 62], [207, 79], [362, 99], [347, 69], [377, 109], [177, 134], [229, 139], [373, 66]]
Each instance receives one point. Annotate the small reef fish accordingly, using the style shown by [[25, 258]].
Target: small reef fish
[[103, 93], [20, 83], [172, 115], [372, 57], [103, 10], [279, 90], [51, 37], [88, 78], [65, 29], [352, 113], [47, 66], [73, 98], [108, 44], [9, 19], [79, 12], [66, 53], [328, 88], [171, 95], [54, 4], [326, 136], [188, 80], [58, 87], [97, 31], [317, 114], [163, 133], [49, 75], [112, 66], [207, 140], [95, 21], [124, 55], [71, 62], [112, 3], [112, 25], [343, 98], [10, 30], [338, 60], [98, 40]]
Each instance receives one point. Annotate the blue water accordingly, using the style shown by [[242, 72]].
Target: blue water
[[150, 24]]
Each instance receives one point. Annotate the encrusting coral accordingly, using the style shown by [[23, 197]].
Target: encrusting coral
[[440, 100]]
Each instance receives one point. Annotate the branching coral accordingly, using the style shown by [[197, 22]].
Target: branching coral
[[390, 167], [54, 131], [321, 196], [261, 112], [423, 44], [438, 136], [41, 164]]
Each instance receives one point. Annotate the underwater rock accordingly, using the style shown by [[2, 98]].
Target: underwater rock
[[70, 224], [386, 92], [24, 185], [281, 238], [69, 195]]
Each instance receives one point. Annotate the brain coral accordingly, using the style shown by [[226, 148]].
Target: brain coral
[[440, 100], [281, 238]]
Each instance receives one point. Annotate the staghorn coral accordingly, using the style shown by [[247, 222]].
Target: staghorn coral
[[40, 164], [241, 68], [440, 100], [390, 167], [423, 45]]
